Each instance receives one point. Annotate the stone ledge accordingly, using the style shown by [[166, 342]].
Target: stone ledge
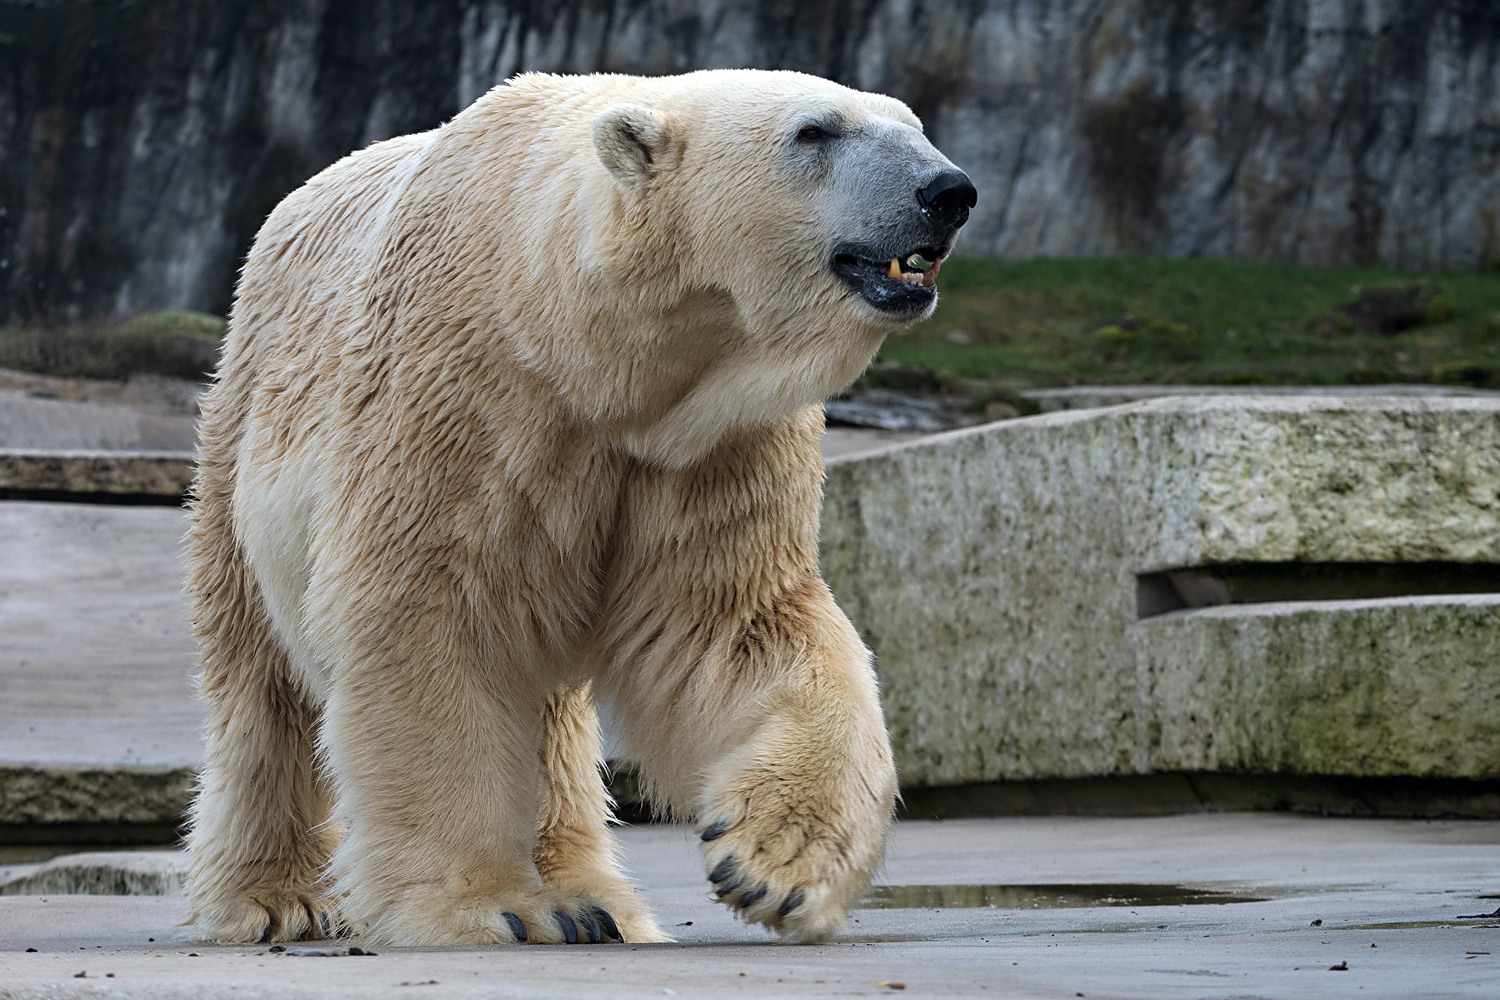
[[994, 573], [1393, 686], [93, 798], [105, 873], [99, 476]]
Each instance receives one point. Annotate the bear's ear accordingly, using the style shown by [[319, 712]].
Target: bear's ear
[[632, 142]]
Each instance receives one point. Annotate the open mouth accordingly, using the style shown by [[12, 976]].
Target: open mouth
[[903, 284]]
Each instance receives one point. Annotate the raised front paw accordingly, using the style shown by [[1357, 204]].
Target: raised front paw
[[789, 871]]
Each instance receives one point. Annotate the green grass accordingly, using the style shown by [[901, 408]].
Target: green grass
[[1052, 322], [170, 342]]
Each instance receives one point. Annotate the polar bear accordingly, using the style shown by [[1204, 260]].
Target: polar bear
[[524, 412]]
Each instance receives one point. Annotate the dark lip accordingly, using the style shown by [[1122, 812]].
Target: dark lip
[[869, 276]]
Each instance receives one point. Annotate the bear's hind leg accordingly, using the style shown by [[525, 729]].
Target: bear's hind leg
[[260, 838], [574, 848]]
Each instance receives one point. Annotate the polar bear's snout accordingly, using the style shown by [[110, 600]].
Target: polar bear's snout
[[907, 203]]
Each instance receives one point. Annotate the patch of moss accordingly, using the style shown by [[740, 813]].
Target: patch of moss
[[171, 342]]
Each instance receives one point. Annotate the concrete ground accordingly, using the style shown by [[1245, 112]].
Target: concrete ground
[[1382, 897]]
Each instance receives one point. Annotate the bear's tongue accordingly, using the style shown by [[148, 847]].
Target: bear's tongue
[[926, 278]]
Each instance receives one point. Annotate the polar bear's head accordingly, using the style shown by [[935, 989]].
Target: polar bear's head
[[807, 219], [792, 192]]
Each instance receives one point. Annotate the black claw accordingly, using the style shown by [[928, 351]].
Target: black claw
[[792, 902], [608, 923], [517, 928], [715, 830], [754, 896], [724, 870], [728, 889], [566, 925], [590, 927]]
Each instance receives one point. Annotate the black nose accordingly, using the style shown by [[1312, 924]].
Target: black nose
[[948, 198]]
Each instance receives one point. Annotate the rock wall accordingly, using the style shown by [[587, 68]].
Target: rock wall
[[143, 141]]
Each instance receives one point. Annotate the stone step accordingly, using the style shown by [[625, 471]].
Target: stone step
[[143, 477], [104, 873]]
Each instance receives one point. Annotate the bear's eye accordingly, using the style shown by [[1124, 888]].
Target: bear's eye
[[812, 133]]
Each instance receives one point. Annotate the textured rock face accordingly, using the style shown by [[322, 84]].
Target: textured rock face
[[994, 573], [143, 143], [41, 796], [161, 476]]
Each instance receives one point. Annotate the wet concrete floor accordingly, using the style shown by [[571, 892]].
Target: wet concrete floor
[[1125, 908]]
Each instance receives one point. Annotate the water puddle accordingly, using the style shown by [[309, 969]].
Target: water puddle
[[1045, 897], [1414, 925]]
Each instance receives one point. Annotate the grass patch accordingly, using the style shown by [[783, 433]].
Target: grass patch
[[1055, 322], [171, 342]]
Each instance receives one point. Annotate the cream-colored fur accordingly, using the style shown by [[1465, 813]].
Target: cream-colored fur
[[511, 412]]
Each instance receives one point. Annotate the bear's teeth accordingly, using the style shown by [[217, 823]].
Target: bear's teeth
[[929, 277], [923, 278]]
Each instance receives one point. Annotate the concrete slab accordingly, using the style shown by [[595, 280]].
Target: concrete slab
[[155, 394], [102, 873], [31, 422], [158, 478], [843, 442], [997, 573], [1235, 688], [1329, 888], [96, 655]]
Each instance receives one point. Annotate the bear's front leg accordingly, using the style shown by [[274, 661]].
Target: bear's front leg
[[794, 816], [574, 848], [742, 689], [436, 752]]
